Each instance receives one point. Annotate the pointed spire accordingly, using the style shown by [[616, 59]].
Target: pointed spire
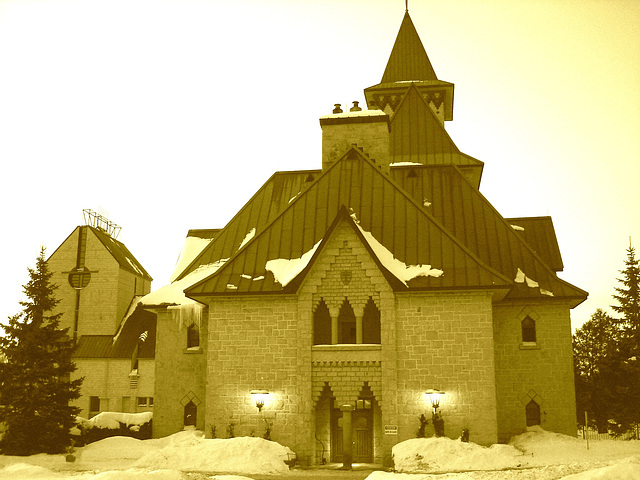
[[408, 59]]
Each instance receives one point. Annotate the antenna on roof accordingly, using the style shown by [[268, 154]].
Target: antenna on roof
[[100, 222]]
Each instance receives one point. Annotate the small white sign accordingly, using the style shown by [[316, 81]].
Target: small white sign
[[390, 429]]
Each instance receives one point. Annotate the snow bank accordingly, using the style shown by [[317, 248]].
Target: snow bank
[[115, 448], [543, 448], [190, 451], [114, 419], [446, 455], [626, 470]]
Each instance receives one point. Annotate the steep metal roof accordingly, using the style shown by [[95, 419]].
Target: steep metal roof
[[468, 215], [104, 346], [397, 222], [539, 233], [408, 59], [267, 203], [121, 253], [418, 136]]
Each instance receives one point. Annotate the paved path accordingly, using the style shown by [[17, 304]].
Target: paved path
[[323, 473]]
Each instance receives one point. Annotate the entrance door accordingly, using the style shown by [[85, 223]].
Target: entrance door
[[362, 435]]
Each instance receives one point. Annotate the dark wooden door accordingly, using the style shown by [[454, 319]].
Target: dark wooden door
[[362, 436]]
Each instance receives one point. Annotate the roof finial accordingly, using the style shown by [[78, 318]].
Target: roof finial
[[406, 5]]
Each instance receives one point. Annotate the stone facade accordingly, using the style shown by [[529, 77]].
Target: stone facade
[[523, 369]]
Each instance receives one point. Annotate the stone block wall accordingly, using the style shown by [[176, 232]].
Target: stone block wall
[[445, 341], [372, 137], [183, 375], [542, 372], [254, 344]]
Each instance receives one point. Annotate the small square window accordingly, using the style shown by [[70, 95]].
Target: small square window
[[145, 401]]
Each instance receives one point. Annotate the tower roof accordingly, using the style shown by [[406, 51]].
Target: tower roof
[[408, 59]]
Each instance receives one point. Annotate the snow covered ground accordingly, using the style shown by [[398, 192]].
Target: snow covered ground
[[535, 455]]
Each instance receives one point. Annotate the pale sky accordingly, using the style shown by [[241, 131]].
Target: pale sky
[[169, 114]]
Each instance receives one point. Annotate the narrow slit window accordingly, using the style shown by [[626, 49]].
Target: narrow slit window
[[528, 330]]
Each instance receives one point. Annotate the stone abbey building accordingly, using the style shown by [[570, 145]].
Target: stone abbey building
[[365, 283]]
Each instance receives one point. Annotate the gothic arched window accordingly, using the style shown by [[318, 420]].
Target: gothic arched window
[[371, 323], [533, 413], [346, 324], [528, 330], [322, 325]]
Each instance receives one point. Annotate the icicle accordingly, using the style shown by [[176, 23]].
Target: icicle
[[186, 315]]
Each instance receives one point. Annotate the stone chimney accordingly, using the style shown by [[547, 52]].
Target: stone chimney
[[369, 129]]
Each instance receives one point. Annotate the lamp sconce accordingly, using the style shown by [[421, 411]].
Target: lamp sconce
[[260, 397], [434, 397]]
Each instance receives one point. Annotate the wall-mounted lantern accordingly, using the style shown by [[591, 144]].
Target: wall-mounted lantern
[[434, 397], [259, 396]]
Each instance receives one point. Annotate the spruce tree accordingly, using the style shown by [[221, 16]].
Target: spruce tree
[[628, 368], [35, 385]]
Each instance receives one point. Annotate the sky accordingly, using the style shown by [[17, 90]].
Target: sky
[[167, 115]]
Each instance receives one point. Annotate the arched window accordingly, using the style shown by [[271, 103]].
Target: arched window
[[321, 325], [528, 330], [371, 323], [533, 413], [193, 336], [190, 413], [346, 324]]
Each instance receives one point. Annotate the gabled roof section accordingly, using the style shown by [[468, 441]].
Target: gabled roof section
[[408, 59], [397, 223], [267, 203], [539, 233], [454, 202], [121, 253], [418, 137]]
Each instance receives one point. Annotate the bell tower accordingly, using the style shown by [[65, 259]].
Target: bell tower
[[409, 64]]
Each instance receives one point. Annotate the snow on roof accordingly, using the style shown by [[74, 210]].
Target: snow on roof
[[518, 227], [286, 269], [247, 237], [398, 268], [522, 278], [405, 164], [173, 294], [361, 113], [190, 250]]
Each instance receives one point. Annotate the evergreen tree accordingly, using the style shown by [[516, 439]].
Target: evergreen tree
[[35, 385], [628, 297]]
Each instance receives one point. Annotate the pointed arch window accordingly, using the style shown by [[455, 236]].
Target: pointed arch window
[[528, 326], [371, 323], [322, 325], [532, 411], [346, 323]]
